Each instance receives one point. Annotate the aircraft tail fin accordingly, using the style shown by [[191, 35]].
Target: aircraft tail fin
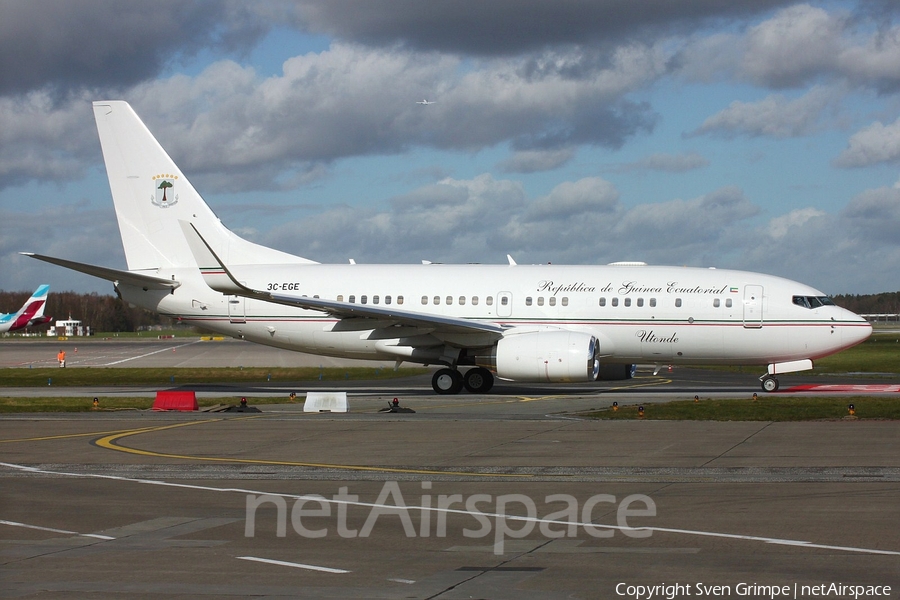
[[151, 194], [32, 312]]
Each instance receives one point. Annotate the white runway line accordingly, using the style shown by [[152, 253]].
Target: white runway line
[[291, 564], [474, 514], [118, 362], [38, 527]]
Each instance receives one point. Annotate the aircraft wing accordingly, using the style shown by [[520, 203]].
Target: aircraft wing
[[220, 278], [346, 310], [115, 275]]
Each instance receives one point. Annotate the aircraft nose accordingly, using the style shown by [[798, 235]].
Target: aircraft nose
[[857, 330]]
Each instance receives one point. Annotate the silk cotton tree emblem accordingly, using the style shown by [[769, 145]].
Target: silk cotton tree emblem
[[164, 191]]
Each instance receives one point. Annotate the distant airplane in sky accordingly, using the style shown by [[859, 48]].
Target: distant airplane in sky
[[527, 323], [426, 102], [31, 313]]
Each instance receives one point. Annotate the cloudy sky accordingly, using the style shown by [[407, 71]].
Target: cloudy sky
[[752, 134]]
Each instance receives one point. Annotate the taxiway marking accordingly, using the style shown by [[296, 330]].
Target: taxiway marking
[[474, 514]]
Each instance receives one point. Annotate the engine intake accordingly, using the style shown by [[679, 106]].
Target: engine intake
[[544, 356]]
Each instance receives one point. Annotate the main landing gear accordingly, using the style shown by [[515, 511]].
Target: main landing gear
[[769, 383], [450, 381]]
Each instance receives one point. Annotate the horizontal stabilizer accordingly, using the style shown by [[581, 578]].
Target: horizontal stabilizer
[[115, 275]]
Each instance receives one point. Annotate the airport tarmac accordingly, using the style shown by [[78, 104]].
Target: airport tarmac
[[509, 495]]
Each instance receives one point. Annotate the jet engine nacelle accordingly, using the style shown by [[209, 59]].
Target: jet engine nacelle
[[545, 356]]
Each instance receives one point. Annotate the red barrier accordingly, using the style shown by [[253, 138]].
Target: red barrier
[[175, 401]]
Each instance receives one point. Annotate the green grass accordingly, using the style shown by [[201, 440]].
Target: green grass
[[93, 376], [765, 408], [879, 354], [85, 403]]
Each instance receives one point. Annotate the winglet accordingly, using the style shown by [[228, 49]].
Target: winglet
[[214, 272]]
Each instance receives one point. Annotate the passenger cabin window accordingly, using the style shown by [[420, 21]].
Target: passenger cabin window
[[363, 299], [374, 299], [565, 301], [387, 299], [652, 302], [462, 300], [627, 301], [640, 301], [437, 300], [449, 300], [399, 300], [474, 300], [424, 299], [340, 298], [716, 303], [552, 301], [540, 300], [489, 300], [602, 301], [504, 300], [352, 299], [727, 302], [615, 301], [528, 301], [677, 302]]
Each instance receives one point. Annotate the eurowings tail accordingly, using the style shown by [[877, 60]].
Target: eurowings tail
[[31, 313]]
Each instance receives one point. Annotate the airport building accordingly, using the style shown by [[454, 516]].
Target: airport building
[[68, 328]]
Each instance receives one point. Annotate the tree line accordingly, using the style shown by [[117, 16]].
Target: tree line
[[99, 312], [109, 313], [868, 304]]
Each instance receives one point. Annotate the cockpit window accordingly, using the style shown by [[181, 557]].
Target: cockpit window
[[813, 301]]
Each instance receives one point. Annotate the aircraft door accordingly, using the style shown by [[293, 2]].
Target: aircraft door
[[753, 306], [237, 309], [504, 304]]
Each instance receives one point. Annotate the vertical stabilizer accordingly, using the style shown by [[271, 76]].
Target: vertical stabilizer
[[31, 313], [151, 195]]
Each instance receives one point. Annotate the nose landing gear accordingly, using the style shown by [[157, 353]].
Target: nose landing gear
[[769, 383]]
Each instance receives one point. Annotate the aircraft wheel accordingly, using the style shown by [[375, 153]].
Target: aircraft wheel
[[769, 384], [447, 381], [478, 380]]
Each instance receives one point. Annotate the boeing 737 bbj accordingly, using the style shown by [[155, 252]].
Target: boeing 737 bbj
[[529, 323], [31, 313]]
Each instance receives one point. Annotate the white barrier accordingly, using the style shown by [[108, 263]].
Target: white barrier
[[326, 402]]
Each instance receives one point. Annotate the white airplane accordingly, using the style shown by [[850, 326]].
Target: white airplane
[[31, 313], [426, 102], [528, 323]]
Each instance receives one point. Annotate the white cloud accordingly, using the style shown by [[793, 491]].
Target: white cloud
[[871, 145], [351, 100], [797, 43], [483, 219], [782, 225], [774, 116], [44, 141], [591, 195], [875, 61], [532, 161]]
